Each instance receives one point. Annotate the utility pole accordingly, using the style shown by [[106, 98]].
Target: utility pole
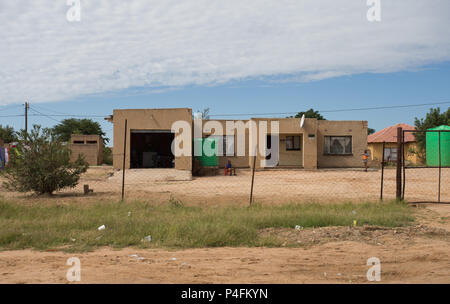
[[27, 106], [399, 163]]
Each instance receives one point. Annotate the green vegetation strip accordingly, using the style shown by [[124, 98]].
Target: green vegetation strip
[[72, 227]]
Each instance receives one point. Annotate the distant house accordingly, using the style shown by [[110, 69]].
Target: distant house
[[90, 146], [389, 136]]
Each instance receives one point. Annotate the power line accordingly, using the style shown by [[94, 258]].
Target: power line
[[75, 115], [54, 115], [8, 108], [245, 114], [339, 110], [18, 115], [42, 114], [46, 109]]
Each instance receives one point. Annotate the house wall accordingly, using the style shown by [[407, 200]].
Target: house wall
[[93, 153], [291, 127], [312, 135], [147, 119], [376, 151], [236, 161], [356, 129], [290, 157]]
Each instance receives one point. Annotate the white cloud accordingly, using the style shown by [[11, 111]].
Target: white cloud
[[158, 44]]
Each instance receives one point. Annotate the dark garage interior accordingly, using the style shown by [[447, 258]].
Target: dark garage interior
[[151, 149]]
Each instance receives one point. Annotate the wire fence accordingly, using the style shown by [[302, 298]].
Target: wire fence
[[421, 182], [427, 179]]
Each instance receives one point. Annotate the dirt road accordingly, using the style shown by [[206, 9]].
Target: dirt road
[[419, 254]]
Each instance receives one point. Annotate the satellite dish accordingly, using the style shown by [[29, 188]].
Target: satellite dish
[[302, 121]]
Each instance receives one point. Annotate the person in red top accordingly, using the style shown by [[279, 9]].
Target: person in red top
[[365, 158]]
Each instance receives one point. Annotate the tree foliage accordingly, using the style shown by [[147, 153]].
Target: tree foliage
[[433, 119], [370, 131], [67, 127], [41, 163], [8, 134], [309, 114], [107, 156]]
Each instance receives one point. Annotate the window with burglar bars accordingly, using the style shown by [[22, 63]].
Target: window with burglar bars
[[292, 143], [390, 154], [225, 145], [338, 145]]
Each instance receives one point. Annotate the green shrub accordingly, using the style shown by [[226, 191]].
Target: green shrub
[[41, 163]]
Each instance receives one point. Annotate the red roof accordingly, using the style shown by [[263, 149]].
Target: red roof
[[389, 134]]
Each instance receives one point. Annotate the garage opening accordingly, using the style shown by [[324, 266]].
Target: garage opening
[[151, 149]]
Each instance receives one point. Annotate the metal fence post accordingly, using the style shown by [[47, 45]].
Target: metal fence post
[[440, 168], [124, 156], [403, 164], [399, 164], [253, 178], [382, 171]]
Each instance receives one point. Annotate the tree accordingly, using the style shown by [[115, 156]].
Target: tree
[[370, 131], [41, 163], [67, 127], [205, 113], [309, 114], [433, 119], [107, 156], [8, 134]]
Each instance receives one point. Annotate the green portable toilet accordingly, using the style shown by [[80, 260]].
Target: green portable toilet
[[208, 160], [432, 147]]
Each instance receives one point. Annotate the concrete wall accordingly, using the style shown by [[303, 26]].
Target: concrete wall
[[147, 119], [356, 129], [92, 152]]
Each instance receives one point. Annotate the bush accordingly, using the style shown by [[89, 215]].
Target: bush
[[42, 164], [107, 156]]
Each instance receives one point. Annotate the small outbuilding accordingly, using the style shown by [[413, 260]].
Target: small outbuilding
[[90, 146]]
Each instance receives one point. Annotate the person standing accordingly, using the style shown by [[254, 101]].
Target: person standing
[[365, 159]]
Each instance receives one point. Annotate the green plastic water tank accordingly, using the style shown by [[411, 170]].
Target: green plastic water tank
[[432, 147], [209, 152]]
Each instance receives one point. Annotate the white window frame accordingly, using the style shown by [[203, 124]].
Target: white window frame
[[328, 140]]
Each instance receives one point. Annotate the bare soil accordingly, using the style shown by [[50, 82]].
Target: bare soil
[[270, 186], [417, 254]]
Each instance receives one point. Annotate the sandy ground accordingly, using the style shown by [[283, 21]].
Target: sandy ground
[[270, 186], [419, 254]]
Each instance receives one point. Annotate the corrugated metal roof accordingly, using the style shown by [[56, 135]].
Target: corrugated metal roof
[[389, 134]]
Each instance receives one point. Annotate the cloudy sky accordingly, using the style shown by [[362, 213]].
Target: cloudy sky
[[203, 50]]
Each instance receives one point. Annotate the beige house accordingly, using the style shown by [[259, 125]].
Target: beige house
[[90, 146], [315, 144]]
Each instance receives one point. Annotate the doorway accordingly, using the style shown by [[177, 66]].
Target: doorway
[[151, 149]]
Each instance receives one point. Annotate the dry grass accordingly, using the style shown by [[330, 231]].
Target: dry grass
[[74, 227]]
